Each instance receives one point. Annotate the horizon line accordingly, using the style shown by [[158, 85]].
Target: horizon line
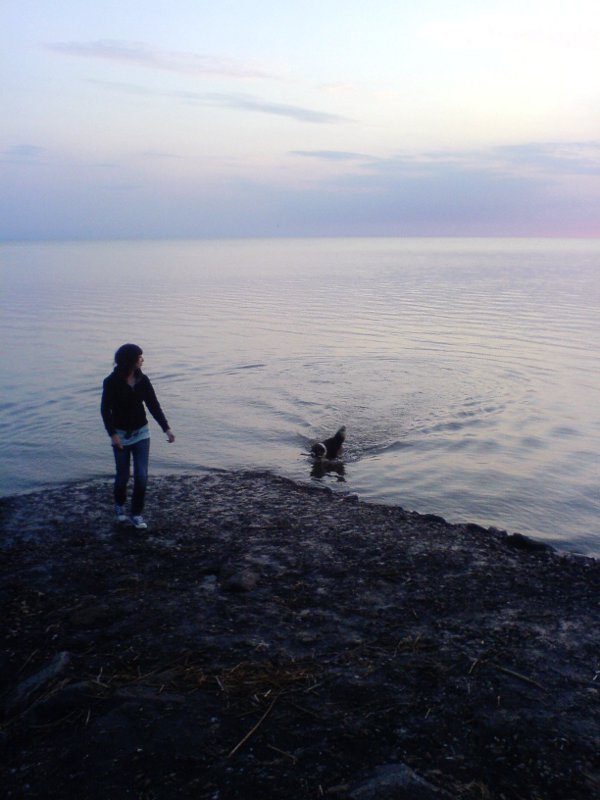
[[246, 237]]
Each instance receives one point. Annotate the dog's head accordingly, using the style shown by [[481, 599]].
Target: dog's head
[[341, 434]]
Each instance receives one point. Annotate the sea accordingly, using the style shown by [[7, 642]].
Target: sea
[[466, 371]]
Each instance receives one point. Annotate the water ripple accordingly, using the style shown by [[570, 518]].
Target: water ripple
[[467, 371]]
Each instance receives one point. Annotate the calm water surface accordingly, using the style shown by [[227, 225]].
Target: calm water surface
[[466, 371]]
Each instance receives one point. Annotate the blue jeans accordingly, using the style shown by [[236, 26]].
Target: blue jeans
[[140, 452]]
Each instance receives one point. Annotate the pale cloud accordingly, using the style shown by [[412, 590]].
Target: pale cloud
[[236, 101], [539, 188], [515, 31], [528, 189], [25, 150], [242, 102], [567, 158], [533, 159], [143, 55], [158, 155], [332, 155], [22, 154], [338, 88]]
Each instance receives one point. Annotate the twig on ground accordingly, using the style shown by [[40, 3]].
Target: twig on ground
[[282, 752], [27, 660], [253, 730], [519, 676]]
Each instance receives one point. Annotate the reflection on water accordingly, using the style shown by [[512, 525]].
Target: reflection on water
[[328, 469], [466, 371]]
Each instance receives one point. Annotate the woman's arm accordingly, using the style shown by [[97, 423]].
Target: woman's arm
[[154, 408], [106, 408]]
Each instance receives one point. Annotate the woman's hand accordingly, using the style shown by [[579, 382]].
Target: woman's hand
[[170, 436], [116, 441]]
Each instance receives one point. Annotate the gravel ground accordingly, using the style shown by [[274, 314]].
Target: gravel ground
[[269, 640]]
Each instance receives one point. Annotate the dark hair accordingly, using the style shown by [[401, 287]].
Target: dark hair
[[126, 357]]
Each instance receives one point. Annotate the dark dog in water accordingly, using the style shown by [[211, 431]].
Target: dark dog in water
[[329, 448]]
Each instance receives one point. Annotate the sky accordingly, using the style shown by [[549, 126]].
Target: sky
[[195, 119]]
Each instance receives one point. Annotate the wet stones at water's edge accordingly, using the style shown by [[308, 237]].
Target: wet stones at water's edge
[[270, 640]]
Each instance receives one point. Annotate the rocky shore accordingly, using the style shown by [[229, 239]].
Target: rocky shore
[[268, 640]]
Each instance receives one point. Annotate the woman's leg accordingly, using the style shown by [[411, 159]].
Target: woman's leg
[[122, 459], [141, 453]]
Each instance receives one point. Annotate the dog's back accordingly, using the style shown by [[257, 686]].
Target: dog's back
[[330, 448]]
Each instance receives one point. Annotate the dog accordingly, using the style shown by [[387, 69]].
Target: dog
[[330, 448]]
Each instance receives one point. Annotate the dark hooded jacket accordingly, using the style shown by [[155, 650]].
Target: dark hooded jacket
[[122, 405]]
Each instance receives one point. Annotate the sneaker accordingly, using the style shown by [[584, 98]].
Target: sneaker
[[120, 514], [138, 522]]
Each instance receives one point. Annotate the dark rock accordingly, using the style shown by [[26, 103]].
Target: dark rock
[[126, 581], [243, 581], [434, 518], [64, 701], [92, 616], [28, 688], [396, 782], [351, 498], [520, 542], [149, 694], [472, 527]]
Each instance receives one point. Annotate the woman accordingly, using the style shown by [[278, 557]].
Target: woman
[[124, 393]]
